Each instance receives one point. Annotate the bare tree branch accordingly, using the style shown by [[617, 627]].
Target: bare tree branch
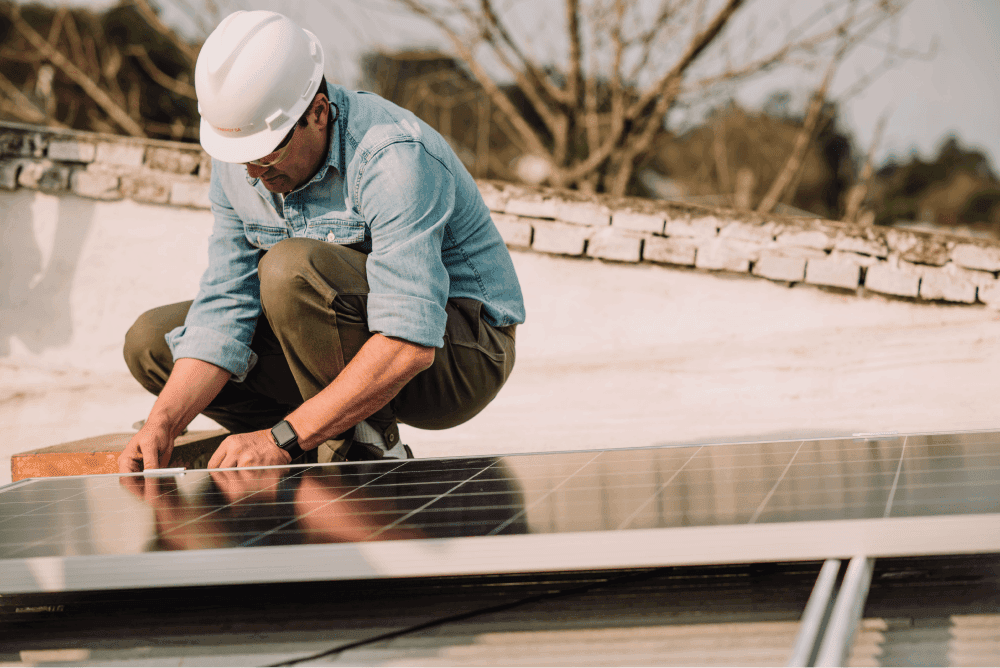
[[156, 74], [533, 141], [787, 181], [574, 80], [151, 17], [859, 191], [19, 104], [73, 72], [695, 48]]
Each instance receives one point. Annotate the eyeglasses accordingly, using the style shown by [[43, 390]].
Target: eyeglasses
[[280, 152]]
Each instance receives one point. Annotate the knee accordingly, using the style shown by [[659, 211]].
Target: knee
[[316, 266]]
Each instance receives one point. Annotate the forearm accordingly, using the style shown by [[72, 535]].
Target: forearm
[[190, 388], [376, 374]]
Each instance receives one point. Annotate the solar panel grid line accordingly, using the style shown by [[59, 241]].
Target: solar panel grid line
[[767, 498], [201, 518], [272, 531], [656, 493], [413, 512], [524, 512]]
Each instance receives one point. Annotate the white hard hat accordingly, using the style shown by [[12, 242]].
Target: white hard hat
[[256, 75]]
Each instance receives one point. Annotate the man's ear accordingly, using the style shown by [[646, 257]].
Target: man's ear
[[319, 105]]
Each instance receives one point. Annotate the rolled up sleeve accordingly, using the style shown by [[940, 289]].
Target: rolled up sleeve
[[407, 196], [221, 322]]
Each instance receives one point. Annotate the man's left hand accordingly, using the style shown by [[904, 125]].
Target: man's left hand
[[255, 448]]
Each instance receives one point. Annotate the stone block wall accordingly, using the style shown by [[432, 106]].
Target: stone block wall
[[917, 265], [103, 167]]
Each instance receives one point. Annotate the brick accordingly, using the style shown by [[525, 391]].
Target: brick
[[22, 143], [561, 238], [43, 175], [762, 233], [611, 244], [146, 189], [725, 255], [705, 226], [669, 251], [95, 185], [514, 230], [875, 248], [173, 160], [990, 295], [938, 284], [796, 251], [71, 150], [780, 268], [978, 278], [833, 272], [854, 258], [639, 222], [9, 170], [805, 239], [190, 193], [971, 256], [892, 281], [532, 207], [12, 143], [583, 213], [494, 198], [119, 153]]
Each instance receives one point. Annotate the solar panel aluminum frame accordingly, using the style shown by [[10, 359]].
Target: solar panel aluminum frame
[[594, 550]]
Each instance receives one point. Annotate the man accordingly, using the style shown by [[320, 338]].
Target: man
[[355, 277]]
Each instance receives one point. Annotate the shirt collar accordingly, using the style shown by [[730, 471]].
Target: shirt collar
[[334, 154]]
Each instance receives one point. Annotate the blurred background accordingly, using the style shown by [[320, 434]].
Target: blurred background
[[873, 111]]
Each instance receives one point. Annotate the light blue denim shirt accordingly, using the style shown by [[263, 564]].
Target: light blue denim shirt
[[391, 185]]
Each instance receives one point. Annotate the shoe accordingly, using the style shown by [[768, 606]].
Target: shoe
[[362, 449]]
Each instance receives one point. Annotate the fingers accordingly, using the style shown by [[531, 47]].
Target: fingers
[[219, 455], [150, 456], [129, 460], [250, 449], [150, 448]]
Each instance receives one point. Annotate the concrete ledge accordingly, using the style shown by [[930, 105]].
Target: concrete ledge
[[99, 454]]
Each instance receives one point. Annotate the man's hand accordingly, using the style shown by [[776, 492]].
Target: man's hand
[[149, 449], [255, 448]]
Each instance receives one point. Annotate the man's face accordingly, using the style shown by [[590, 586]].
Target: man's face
[[303, 155]]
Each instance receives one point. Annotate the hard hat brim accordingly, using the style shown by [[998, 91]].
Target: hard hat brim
[[242, 149]]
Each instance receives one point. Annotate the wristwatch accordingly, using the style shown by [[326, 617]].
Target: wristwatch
[[286, 439]]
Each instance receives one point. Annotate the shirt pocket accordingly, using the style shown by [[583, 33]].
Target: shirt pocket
[[264, 236], [337, 229]]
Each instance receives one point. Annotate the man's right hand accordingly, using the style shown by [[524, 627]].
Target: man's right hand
[[191, 386], [149, 449]]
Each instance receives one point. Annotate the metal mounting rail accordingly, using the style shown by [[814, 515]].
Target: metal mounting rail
[[814, 615], [846, 615]]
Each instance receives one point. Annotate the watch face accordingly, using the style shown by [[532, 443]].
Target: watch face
[[283, 434]]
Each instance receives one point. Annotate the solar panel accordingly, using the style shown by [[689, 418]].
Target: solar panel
[[729, 503]]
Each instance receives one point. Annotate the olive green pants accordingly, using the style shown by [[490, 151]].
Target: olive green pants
[[314, 296]]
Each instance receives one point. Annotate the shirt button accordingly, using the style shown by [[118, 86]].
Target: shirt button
[[331, 237]]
